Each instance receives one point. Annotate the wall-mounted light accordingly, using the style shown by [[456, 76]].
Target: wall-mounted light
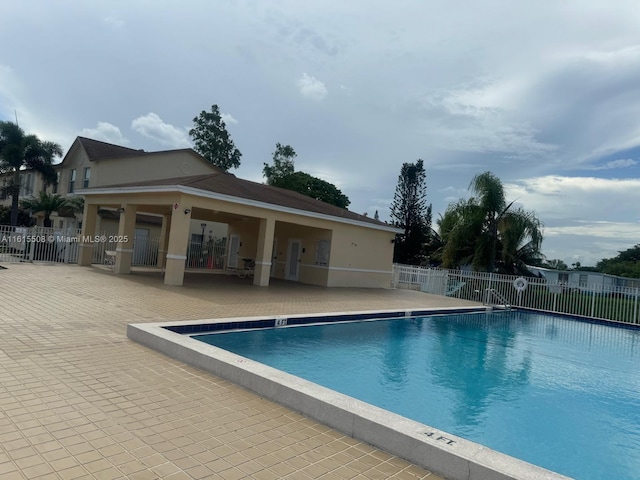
[[393, 240], [187, 211], [121, 210]]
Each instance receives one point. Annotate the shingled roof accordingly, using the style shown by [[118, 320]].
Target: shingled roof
[[228, 184], [97, 150]]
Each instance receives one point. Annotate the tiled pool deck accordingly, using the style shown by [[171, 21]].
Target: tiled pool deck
[[80, 400]]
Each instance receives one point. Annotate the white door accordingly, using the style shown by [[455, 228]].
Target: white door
[[293, 260], [274, 254], [234, 250]]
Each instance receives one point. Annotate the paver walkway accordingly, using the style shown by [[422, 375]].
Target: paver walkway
[[80, 400]]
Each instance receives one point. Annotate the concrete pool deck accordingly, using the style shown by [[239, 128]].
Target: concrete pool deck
[[80, 400]]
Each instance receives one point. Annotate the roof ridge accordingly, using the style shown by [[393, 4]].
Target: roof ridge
[[81, 138]]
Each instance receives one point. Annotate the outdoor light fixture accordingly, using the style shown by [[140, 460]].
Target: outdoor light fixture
[[121, 210], [187, 211]]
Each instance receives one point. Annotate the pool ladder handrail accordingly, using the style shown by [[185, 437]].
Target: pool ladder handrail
[[491, 293]]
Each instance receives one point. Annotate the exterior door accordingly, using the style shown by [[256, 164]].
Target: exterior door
[[293, 259], [234, 251], [274, 254]]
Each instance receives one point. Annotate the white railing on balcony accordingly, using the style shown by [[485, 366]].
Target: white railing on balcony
[[600, 301]]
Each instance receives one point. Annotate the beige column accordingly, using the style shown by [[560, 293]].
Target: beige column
[[177, 246], [126, 231], [89, 221], [265, 247], [163, 241]]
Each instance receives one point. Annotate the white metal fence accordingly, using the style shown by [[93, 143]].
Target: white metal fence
[[209, 255], [609, 302], [40, 244]]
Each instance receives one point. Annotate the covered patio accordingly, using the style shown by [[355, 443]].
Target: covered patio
[[287, 235]]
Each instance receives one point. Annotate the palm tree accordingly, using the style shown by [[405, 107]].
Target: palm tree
[[19, 151], [485, 231], [46, 203], [521, 241]]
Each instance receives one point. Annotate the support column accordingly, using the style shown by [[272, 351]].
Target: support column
[[265, 249], [89, 222], [163, 241], [126, 232], [177, 246]]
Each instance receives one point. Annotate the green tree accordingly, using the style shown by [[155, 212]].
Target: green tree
[[410, 212], [313, 187], [625, 264], [487, 233], [19, 151], [46, 203], [556, 264], [282, 166], [212, 141]]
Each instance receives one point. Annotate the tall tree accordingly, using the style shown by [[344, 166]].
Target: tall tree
[[19, 151], [411, 212], [313, 187], [282, 166], [484, 230], [212, 141], [282, 174]]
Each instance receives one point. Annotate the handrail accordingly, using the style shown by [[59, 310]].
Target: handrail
[[491, 293]]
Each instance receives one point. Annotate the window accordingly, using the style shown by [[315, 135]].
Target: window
[[87, 176], [563, 278], [72, 180], [583, 279], [55, 186], [27, 184]]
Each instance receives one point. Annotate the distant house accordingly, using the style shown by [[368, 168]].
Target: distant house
[[584, 280]]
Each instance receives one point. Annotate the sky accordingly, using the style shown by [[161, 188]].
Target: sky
[[545, 94]]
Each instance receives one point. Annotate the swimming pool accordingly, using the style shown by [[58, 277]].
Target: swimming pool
[[556, 392], [441, 452]]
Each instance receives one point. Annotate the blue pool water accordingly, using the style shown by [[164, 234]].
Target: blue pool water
[[560, 393]]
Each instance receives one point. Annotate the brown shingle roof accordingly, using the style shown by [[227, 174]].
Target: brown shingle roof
[[97, 150], [228, 184]]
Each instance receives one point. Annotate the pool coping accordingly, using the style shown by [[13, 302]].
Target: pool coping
[[440, 452]]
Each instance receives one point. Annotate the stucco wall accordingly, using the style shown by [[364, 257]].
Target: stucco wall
[[148, 167]]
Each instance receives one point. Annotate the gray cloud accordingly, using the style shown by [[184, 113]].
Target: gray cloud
[[105, 132], [311, 87], [153, 127]]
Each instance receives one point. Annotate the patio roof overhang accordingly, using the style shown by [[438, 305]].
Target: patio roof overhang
[[182, 189]]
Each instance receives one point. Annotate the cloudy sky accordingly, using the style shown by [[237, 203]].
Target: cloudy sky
[[544, 94]]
